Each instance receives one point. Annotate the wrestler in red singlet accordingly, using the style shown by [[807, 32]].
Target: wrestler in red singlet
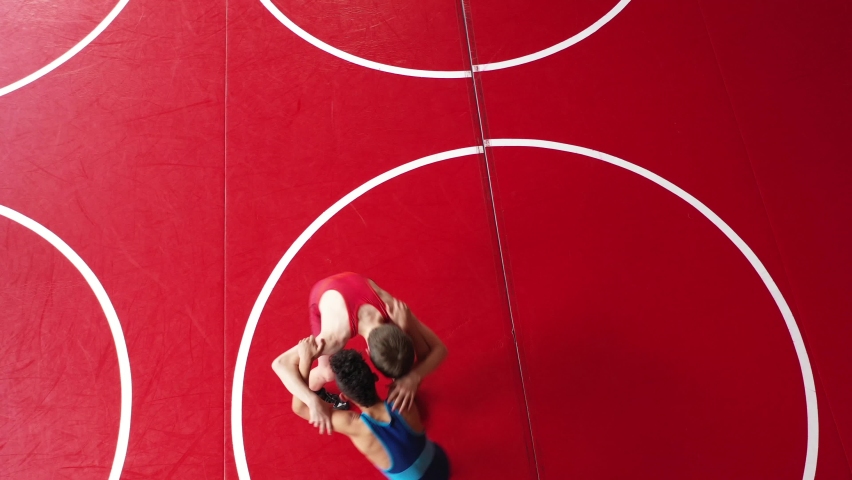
[[409, 350], [356, 291]]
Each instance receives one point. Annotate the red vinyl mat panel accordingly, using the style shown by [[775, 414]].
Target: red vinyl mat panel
[[60, 379], [307, 128], [38, 33], [660, 341], [788, 76], [628, 220], [646, 376], [442, 223], [118, 152]]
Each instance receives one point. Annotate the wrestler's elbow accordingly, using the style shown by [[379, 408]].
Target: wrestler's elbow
[[442, 351], [301, 409], [281, 362]]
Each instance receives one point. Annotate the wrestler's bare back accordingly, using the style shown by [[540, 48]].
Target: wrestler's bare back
[[334, 316], [335, 331]]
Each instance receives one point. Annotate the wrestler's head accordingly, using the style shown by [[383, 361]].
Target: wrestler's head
[[391, 350], [354, 378]]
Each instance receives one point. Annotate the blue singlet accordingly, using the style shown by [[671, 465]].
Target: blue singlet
[[412, 455]]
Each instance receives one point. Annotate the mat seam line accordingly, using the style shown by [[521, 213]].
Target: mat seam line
[[225, 262], [491, 201]]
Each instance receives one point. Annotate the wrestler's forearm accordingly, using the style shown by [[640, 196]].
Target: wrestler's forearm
[[305, 368], [430, 363], [430, 349], [304, 373], [286, 366]]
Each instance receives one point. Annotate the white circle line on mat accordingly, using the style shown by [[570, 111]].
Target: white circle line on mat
[[112, 320], [555, 48], [410, 72], [780, 302], [67, 55], [254, 316]]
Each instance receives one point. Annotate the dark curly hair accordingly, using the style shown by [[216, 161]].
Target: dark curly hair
[[391, 350], [355, 378]]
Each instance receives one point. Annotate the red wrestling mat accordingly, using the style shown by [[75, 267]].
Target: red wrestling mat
[[643, 272]]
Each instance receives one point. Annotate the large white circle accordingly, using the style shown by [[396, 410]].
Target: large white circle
[[67, 55], [410, 72], [114, 326], [786, 313]]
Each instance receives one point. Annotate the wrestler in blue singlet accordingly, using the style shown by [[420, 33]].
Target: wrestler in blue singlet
[[412, 455]]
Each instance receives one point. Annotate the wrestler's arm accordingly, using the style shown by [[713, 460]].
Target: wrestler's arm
[[429, 348], [331, 339], [342, 422], [286, 366]]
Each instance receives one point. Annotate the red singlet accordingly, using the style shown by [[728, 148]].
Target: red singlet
[[356, 291]]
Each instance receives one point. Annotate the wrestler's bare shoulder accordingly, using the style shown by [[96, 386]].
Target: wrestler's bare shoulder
[[383, 295]]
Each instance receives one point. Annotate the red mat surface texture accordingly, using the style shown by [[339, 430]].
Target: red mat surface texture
[[628, 220]]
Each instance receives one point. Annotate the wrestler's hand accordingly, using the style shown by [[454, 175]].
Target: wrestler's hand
[[398, 312], [401, 394], [321, 416], [310, 349]]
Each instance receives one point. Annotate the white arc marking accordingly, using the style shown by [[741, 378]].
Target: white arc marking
[[786, 313], [410, 72], [254, 316], [67, 55], [114, 326], [558, 47]]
